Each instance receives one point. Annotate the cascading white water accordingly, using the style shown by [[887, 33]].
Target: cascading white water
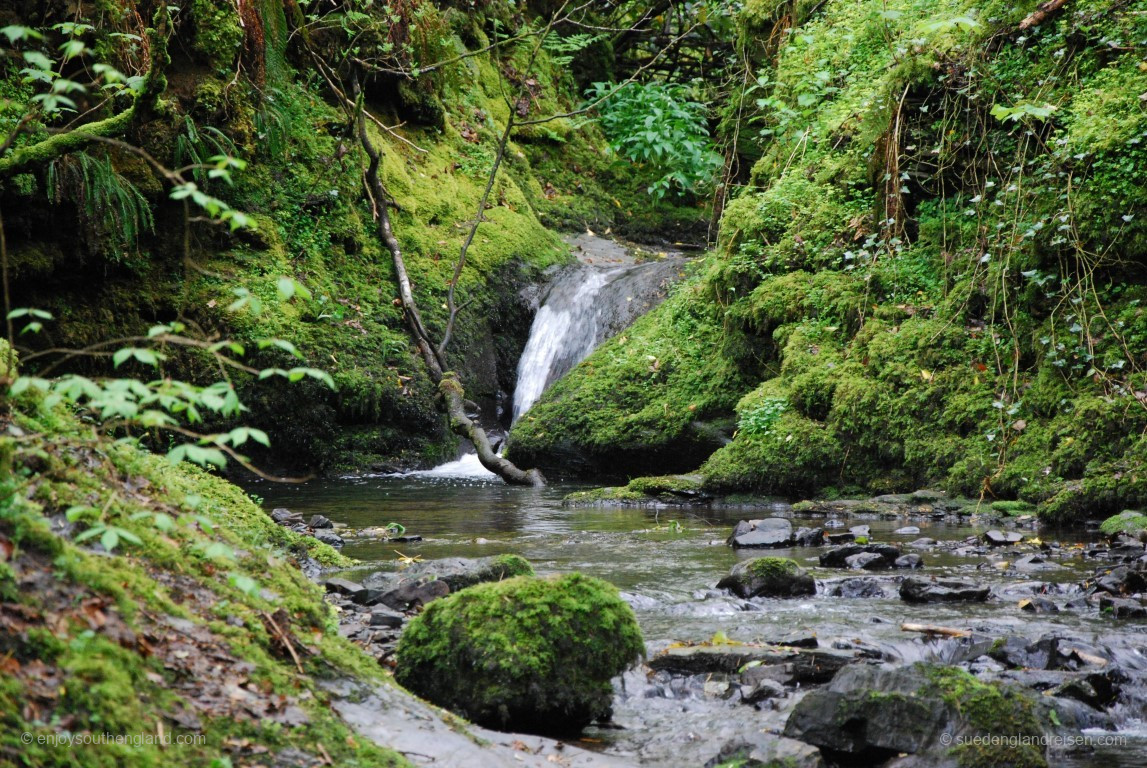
[[583, 307], [563, 333]]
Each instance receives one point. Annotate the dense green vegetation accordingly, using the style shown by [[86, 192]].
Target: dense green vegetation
[[931, 275]]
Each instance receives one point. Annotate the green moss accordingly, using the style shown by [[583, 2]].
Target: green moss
[[1128, 521], [990, 708], [534, 654], [1013, 508]]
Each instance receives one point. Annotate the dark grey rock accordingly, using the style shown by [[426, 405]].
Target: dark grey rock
[[809, 537], [763, 689], [384, 617], [868, 561], [838, 557], [836, 539], [318, 521], [1122, 608], [910, 560], [919, 590], [1038, 604], [857, 588], [327, 536], [284, 516], [1021, 652], [351, 589]]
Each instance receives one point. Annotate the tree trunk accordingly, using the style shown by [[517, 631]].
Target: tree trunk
[[448, 384]]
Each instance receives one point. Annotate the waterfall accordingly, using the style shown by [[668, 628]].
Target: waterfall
[[563, 333], [585, 306]]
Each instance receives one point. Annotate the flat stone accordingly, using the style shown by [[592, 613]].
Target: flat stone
[[910, 560], [327, 536], [384, 617], [908, 530], [922, 543], [918, 590], [318, 521], [763, 689], [351, 589], [768, 532], [1000, 538]]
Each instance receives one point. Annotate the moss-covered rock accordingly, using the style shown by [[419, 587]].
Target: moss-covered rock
[[533, 654], [768, 577], [1128, 521]]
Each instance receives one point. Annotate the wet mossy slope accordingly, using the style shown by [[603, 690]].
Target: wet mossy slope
[[935, 275]]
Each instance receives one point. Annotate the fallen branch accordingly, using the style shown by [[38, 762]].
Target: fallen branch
[[1037, 17], [932, 629]]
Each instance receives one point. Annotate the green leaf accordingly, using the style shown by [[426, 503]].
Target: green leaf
[[92, 532], [244, 584], [286, 288], [110, 539]]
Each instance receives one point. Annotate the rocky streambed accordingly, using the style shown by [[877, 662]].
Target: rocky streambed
[[916, 631]]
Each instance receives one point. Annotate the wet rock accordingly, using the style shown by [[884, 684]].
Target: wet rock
[[284, 516], [838, 557], [351, 589], [526, 653], [318, 521], [1122, 608], [1035, 563], [462, 572], [409, 595], [922, 543], [918, 590], [857, 588], [860, 530], [1001, 538], [1021, 652], [761, 690], [327, 536], [809, 537], [769, 532], [795, 640], [870, 714], [760, 749], [908, 561], [1123, 580], [836, 539], [1038, 605], [1097, 690], [908, 530], [384, 617], [768, 577], [868, 561]]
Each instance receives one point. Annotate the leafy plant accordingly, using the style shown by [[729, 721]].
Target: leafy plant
[[760, 420], [657, 126]]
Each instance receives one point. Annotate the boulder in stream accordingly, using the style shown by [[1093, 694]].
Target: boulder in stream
[[528, 654], [768, 577], [769, 532], [839, 557], [870, 714]]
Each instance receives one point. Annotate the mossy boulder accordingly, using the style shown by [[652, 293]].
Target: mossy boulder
[[1128, 521], [768, 577], [529, 654]]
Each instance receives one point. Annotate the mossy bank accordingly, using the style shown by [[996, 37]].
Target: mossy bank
[[934, 277]]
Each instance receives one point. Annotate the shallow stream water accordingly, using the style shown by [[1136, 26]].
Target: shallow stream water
[[667, 561]]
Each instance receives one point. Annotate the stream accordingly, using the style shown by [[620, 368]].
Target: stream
[[667, 561]]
